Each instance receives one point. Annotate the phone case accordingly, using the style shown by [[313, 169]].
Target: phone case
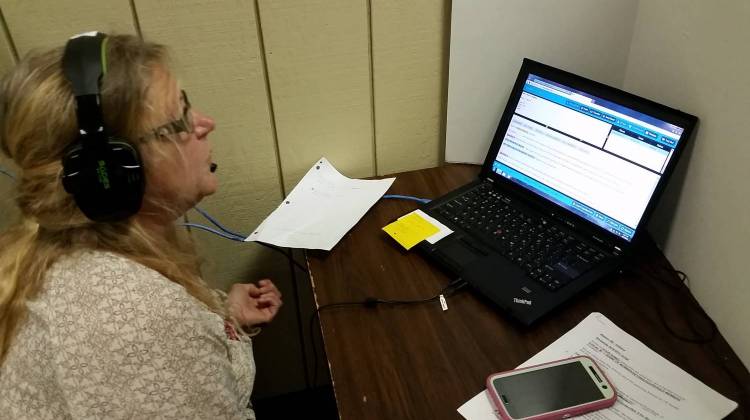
[[565, 413]]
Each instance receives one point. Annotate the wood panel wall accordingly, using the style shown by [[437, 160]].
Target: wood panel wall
[[8, 211], [409, 63], [361, 82], [319, 75]]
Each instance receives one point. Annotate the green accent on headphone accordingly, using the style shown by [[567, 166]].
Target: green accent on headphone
[[104, 55], [101, 171]]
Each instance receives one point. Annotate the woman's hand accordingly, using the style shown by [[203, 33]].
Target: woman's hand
[[252, 305]]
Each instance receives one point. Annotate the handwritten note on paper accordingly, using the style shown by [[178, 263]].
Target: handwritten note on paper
[[648, 385], [321, 208], [432, 231], [410, 230]]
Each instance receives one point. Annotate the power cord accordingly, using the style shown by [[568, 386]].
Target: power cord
[[371, 302], [678, 288]]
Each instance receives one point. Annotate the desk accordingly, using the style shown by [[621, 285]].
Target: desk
[[418, 362]]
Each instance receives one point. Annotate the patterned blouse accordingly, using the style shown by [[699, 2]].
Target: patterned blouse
[[108, 338]]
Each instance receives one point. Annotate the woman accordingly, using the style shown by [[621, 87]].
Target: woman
[[112, 319]]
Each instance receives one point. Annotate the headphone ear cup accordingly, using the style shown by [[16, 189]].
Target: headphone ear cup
[[71, 162], [107, 183], [127, 167]]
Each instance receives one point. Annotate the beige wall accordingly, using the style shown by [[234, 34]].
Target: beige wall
[[288, 81], [409, 53], [693, 55]]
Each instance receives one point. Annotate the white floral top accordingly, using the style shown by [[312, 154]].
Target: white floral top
[[108, 338]]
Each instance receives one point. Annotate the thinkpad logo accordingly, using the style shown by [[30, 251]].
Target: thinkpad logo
[[524, 301]]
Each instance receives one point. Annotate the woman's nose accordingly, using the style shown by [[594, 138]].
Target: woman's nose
[[203, 124]]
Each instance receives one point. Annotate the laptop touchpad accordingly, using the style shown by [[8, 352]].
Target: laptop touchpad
[[460, 253]]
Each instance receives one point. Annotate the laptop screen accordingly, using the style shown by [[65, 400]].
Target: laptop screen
[[593, 157]]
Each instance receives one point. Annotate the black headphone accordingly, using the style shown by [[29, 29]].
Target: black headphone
[[103, 172]]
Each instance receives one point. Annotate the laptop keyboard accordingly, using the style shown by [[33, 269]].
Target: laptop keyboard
[[545, 252]]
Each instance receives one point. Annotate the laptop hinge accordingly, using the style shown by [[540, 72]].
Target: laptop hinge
[[607, 245]]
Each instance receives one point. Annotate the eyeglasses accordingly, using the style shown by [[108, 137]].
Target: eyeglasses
[[182, 125]]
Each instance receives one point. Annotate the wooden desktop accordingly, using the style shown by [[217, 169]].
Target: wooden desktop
[[420, 362]]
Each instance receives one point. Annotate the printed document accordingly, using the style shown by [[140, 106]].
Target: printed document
[[648, 385], [320, 209]]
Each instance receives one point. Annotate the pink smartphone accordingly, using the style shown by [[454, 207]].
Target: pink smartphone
[[555, 390]]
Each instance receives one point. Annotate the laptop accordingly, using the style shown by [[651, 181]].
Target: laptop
[[567, 186]]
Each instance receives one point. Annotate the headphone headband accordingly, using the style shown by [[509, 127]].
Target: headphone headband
[[83, 67], [84, 62]]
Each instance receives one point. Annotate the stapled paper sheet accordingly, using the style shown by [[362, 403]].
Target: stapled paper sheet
[[320, 209]]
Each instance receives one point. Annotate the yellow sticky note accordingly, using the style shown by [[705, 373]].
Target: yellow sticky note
[[410, 230]]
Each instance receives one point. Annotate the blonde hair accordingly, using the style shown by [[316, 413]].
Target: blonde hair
[[37, 123]]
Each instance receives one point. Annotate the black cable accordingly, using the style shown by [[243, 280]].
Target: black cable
[[721, 360], [300, 329], [277, 249], [707, 341], [450, 289], [742, 387], [678, 288]]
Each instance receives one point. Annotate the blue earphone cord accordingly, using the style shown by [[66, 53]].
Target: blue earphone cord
[[408, 197], [234, 236], [219, 225], [214, 231]]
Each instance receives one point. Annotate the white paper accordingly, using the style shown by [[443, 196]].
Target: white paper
[[320, 209], [648, 385], [442, 233]]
